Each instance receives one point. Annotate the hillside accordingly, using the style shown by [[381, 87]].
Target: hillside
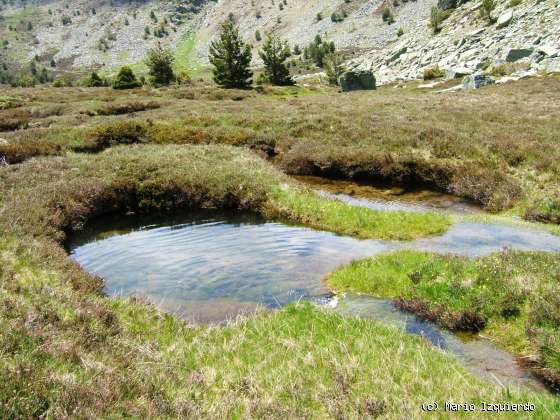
[[73, 37]]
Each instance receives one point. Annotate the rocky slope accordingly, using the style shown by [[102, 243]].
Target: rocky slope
[[82, 34], [298, 21], [524, 39]]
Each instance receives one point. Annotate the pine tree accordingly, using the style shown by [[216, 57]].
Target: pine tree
[[334, 67], [94, 80], [126, 79], [160, 62], [274, 54], [231, 58]]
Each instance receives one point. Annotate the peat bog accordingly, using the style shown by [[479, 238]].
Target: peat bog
[[69, 348]]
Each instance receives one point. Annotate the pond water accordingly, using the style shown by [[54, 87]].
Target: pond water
[[480, 356], [209, 266], [382, 197]]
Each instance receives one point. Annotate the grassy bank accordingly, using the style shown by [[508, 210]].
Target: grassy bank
[[51, 196], [67, 350], [70, 352], [510, 297], [495, 145]]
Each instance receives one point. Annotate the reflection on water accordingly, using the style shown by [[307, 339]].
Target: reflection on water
[[184, 263], [477, 239], [480, 356]]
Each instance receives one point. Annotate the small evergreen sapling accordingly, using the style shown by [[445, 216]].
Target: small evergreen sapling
[[231, 58], [274, 54], [160, 65], [126, 79]]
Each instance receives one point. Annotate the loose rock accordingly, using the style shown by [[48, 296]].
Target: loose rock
[[505, 19], [516, 54]]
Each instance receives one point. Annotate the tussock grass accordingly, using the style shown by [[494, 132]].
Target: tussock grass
[[314, 211], [512, 297]]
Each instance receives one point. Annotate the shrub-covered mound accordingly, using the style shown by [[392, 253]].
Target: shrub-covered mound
[[49, 196], [512, 297]]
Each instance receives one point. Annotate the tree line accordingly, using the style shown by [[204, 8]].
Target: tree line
[[229, 55], [230, 58]]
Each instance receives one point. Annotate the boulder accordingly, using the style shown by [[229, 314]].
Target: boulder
[[547, 50], [477, 80], [357, 80], [447, 4], [516, 54], [456, 72], [505, 19]]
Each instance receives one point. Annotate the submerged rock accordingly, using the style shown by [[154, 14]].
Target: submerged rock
[[357, 80], [477, 80]]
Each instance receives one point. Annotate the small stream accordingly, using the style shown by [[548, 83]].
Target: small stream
[[210, 266]]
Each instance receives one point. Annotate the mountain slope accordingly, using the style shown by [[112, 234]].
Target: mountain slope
[[74, 37]]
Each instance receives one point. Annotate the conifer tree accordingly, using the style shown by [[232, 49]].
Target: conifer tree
[[334, 67], [94, 80], [274, 54], [160, 62], [126, 79], [231, 58]]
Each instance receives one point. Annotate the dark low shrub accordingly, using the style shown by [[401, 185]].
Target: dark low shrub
[[119, 132], [433, 73], [127, 108], [126, 79]]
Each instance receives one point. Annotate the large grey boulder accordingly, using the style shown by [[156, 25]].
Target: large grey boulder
[[505, 19], [357, 80], [456, 72], [477, 80], [547, 50], [516, 54]]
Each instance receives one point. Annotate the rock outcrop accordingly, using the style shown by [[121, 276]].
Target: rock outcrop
[[357, 80], [525, 38], [477, 80]]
